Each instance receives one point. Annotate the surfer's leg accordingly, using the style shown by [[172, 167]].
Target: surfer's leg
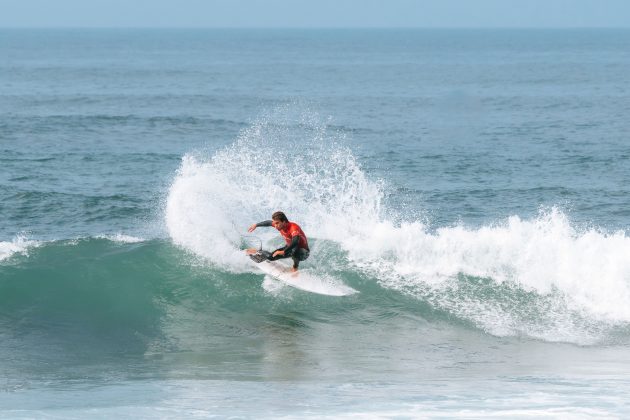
[[296, 261], [298, 255]]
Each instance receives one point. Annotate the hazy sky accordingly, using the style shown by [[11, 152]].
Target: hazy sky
[[315, 13]]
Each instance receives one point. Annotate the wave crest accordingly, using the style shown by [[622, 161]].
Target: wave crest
[[19, 245]]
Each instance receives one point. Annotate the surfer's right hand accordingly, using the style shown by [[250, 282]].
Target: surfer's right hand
[[252, 228], [251, 251]]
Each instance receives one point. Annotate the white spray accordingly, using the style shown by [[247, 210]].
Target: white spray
[[292, 162]]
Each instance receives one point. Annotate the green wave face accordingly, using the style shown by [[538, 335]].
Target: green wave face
[[87, 291]]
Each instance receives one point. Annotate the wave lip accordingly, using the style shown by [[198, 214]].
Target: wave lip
[[122, 238], [19, 245]]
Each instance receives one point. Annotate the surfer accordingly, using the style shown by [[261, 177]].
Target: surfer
[[297, 245]]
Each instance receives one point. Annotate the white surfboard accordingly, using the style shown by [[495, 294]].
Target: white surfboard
[[304, 279]]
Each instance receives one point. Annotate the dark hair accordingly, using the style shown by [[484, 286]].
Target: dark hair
[[279, 216]]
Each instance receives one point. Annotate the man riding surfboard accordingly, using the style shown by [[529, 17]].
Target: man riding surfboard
[[297, 244]]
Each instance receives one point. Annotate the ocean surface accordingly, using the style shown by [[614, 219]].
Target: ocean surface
[[472, 185]]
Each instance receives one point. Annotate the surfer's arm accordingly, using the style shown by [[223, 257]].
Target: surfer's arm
[[294, 243], [253, 227]]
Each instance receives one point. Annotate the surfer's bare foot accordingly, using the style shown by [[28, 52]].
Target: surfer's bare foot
[[251, 251], [294, 269]]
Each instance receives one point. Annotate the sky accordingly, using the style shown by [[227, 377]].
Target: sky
[[315, 13]]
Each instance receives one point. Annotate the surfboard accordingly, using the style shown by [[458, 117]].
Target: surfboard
[[303, 279]]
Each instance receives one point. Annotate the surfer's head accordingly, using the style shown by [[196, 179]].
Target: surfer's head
[[279, 220]]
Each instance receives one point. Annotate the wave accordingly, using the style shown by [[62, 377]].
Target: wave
[[143, 294], [542, 278]]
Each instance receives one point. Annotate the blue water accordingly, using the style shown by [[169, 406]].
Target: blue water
[[471, 185]]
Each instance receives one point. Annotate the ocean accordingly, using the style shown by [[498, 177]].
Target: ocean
[[473, 186]]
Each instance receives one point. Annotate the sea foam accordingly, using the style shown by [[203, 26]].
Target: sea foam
[[580, 278]]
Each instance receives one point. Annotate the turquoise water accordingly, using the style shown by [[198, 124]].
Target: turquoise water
[[471, 185]]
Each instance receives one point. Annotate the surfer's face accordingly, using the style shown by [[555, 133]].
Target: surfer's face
[[278, 224]]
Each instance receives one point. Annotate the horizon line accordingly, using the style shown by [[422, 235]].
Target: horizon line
[[318, 27]]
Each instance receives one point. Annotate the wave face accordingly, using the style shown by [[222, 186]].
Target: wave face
[[542, 278], [81, 293]]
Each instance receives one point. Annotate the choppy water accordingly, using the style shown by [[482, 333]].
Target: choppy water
[[471, 185]]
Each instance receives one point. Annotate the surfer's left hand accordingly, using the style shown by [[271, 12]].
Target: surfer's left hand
[[278, 253]]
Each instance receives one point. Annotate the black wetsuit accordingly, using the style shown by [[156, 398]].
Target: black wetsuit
[[290, 250]]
